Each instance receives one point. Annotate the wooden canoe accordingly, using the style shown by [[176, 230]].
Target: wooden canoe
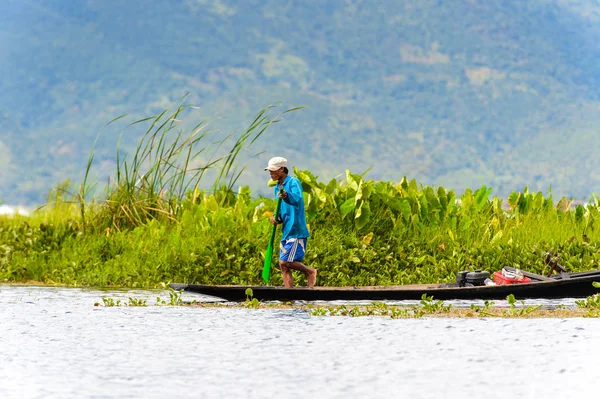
[[571, 285]]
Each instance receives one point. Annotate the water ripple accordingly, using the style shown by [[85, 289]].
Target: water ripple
[[56, 344]]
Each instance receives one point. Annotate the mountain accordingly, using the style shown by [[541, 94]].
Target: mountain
[[456, 94]]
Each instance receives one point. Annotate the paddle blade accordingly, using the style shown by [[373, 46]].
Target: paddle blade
[[269, 255], [267, 265]]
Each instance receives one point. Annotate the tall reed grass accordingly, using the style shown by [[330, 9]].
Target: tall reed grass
[[166, 171]]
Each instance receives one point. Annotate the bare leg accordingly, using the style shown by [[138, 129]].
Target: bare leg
[[311, 274], [286, 275], [311, 278]]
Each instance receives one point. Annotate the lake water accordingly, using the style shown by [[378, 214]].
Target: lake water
[[54, 343]]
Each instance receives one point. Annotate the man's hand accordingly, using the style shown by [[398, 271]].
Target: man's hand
[[273, 221], [283, 194]]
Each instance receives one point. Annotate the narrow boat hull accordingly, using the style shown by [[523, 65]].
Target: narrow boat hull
[[574, 287]]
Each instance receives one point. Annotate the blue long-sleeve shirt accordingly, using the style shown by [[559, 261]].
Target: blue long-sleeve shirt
[[291, 210]]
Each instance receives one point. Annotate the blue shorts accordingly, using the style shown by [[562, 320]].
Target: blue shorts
[[292, 250]]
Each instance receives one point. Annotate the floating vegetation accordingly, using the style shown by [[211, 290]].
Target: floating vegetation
[[174, 300], [591, 303], [429, 308], [426, 308], [519, 311], [110, 302], [250, 302]]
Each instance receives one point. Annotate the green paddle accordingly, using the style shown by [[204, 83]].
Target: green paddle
[[266, 273]]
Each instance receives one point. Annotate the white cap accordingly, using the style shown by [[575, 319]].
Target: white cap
[[276, 164]]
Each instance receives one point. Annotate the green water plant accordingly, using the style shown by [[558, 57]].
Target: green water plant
[[431, 306], [591, 302], [250, 302], [174, 298], [427, 306], [136, 302], [110, 302], [523, 310], [374, 309], [484, 310]]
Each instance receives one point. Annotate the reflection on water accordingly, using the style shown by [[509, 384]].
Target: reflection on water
[[54, 343]]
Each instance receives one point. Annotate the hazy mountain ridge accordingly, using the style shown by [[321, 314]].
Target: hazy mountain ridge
[[459, 95]]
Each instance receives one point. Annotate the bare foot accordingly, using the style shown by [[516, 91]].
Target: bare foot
[[312, 278]]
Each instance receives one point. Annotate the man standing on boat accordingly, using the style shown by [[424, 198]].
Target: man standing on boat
[[293, 220]]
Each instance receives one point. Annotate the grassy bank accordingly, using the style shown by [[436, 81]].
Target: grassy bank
[[215, 243], [158, 222]]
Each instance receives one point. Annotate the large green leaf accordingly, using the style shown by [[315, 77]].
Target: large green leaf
[[363, 215], [451, 202], [538, 202], [443, 200], [308, 180], [404, 183], [320, 194], [395, 204], [415, 221], [467, 200], [482, 196], [513, 199], [524, 203], [413, 186], [564, 204], [347, 207], [359, 191], [579, 213], [432, 200], [353, 180], [405, 208], [331, 186], [424, 207]]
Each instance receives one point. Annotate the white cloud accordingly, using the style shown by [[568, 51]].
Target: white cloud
[[8, 210]]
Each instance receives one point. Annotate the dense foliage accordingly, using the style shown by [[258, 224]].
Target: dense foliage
[[363, 233]]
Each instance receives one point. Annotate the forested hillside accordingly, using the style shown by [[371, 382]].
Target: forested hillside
[[459, 94]]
